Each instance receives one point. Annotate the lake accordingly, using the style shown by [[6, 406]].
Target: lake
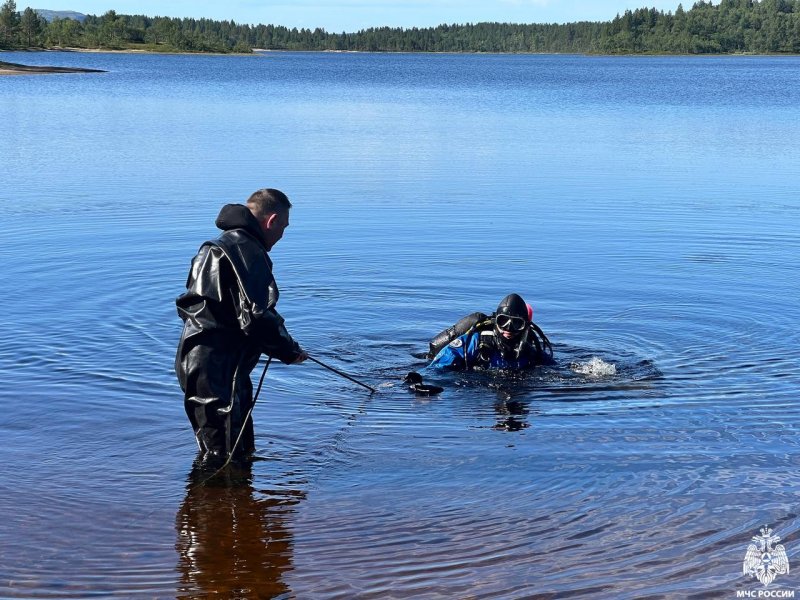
[[647, 207]]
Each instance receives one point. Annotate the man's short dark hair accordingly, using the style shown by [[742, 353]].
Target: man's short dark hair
[[268, 201]]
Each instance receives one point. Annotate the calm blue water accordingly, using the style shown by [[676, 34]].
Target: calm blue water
[[647, 207]]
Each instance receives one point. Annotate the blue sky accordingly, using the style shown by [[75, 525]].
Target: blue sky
[[352, 15]]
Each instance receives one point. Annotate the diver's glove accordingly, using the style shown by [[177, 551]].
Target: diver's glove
[[414, 381]]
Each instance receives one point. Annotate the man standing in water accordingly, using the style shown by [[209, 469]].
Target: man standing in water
[[229, 318]]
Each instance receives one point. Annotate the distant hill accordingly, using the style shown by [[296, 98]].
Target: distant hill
[[51, 15]]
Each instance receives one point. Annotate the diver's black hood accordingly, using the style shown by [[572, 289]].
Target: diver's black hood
[[514, 306], [238, 216]]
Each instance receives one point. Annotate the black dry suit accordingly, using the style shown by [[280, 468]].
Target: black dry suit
[[229, 318]]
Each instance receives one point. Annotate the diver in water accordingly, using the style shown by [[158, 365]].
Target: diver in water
[[507, 339]]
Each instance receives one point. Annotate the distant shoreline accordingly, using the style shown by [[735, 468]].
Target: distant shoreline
[[729, 27], [137, 51]]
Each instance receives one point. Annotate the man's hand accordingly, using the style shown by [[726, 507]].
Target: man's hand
[[302, 357]]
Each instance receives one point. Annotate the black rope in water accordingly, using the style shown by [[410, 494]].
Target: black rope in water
[[341, 374]]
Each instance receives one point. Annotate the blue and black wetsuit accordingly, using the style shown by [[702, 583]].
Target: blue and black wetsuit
[[481, 350]]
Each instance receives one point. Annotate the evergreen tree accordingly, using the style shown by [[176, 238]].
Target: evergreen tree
[[63, 33], [9, 24], [726, 27], [31, 26]]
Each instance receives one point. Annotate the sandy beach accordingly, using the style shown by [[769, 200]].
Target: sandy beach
[[7, 68]]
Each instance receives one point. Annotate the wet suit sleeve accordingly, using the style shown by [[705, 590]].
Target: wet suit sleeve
[[258, 294], [273, 337], [451, 357], [255, 311]]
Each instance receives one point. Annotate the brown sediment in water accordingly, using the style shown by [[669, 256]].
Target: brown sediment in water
[[7, 68]]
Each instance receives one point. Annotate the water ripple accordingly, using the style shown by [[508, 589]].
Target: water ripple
[[640, 466]]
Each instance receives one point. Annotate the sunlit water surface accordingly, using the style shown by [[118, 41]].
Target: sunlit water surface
[[646, 207]]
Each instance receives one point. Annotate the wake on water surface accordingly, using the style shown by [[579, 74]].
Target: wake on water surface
[[576, 370]]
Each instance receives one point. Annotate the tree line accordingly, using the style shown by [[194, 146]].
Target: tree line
[[730, 26]]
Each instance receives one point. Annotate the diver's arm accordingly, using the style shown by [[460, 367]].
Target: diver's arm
[[451, 357]]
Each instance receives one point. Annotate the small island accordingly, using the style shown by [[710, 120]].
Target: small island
[[7, 68]]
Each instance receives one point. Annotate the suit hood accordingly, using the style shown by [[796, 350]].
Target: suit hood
[[238, 216]]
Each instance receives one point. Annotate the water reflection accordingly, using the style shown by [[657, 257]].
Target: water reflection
[[233, 540], [511, 415]]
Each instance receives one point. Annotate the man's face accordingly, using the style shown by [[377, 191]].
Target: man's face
[[273, 227], [510, 327], [509, 335]]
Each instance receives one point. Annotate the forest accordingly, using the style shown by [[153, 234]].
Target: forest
[[729, 26]]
